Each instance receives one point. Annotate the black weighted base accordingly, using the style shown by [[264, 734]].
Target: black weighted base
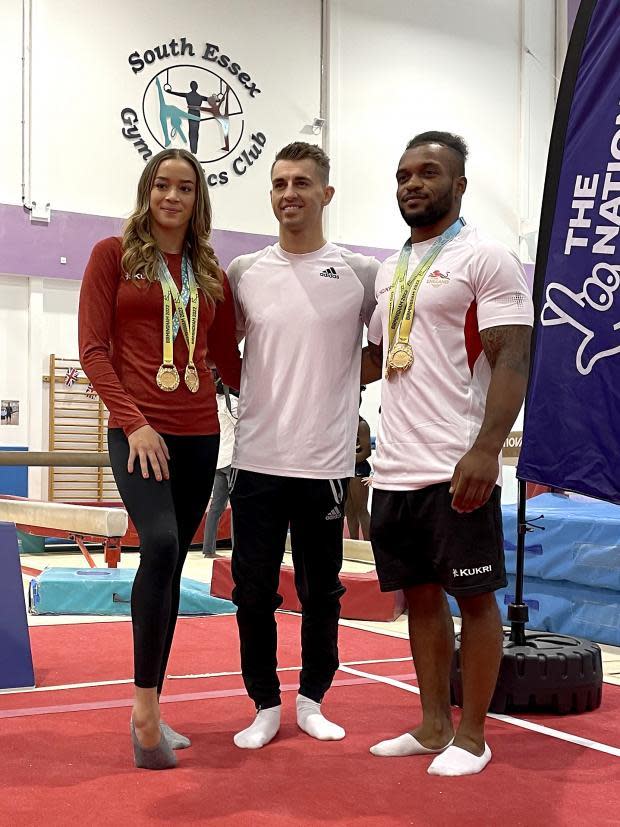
[[551, 672]]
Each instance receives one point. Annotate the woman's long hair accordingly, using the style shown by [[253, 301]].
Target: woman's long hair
[[140, 250]]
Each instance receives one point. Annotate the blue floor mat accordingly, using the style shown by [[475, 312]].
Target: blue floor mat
[[580, 542], [61, 591], [565, 608]]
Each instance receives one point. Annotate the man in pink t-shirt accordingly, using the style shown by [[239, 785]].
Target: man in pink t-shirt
[[301, 305], [454, 318]]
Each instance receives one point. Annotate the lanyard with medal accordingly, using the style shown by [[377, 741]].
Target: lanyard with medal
[[168, 375], [403, 297]]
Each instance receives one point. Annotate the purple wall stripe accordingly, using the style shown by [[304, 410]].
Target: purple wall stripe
[[35, 249]]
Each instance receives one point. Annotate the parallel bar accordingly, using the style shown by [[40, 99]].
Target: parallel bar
[[56, 459]]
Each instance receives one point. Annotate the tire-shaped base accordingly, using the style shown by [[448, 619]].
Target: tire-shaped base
[[556, 673]]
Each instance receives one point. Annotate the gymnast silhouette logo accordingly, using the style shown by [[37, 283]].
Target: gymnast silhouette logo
[[591, 312], [211, 119]]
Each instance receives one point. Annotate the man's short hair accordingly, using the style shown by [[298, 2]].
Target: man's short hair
[[453, 142], [299, 151]]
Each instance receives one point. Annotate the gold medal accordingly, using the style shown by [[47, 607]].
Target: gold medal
[[191, 377], [401, 356], [167, 378], [402, 301], [168, 375]]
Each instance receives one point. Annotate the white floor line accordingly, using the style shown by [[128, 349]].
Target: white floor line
[[542, 730], [359, 625], [612, 678], [286, 668], [60, 687], [64, 686]]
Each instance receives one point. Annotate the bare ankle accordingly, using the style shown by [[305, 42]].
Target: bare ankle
[[145, 717], [438, 722], [470, 741], [435, 733]]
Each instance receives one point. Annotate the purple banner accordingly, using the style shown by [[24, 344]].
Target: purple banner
[[572, 422]]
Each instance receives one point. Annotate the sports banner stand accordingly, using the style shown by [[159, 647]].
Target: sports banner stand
[[571, 428]]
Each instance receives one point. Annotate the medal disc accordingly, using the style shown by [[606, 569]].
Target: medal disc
[[191, 378], [167, 378], [401, 356]]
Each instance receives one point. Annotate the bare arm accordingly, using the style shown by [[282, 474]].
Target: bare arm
[[372, 363], [507, 348], [363, 441]]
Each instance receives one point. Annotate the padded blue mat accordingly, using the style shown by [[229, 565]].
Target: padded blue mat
[[580, 543], [107, 592], [566, 608]]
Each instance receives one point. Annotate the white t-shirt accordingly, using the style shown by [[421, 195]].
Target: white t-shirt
[[431, 414], [227, 420], [302, 318]]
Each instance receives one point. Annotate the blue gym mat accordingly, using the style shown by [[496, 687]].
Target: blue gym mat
[[61, 591], [565, 608], [572, 568], [580, 542]]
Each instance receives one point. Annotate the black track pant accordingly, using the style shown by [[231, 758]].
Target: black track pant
[[166, 515], [263, 507]]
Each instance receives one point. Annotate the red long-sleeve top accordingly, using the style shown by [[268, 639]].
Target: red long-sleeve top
[[121, 348]]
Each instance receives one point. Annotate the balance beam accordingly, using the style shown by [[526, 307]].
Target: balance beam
[[80, 523], [358, 551]]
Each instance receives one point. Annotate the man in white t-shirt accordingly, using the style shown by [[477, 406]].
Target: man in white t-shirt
[[301, 306], [454, 317]]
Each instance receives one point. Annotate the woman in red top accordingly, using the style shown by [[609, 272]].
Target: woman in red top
[[151, 305]]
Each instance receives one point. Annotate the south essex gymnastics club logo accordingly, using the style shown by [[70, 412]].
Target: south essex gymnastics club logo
[[187, 106]]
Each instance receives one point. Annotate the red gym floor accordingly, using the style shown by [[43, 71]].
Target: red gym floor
[[66, 753]]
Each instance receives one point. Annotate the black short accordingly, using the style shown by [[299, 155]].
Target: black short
[[417, 538]]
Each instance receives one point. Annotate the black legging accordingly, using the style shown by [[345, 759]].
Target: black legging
[[166, 515]]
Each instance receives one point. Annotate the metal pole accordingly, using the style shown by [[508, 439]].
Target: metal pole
[[518, 612]]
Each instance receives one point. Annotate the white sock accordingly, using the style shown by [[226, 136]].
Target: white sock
[[260, 732], [457, 761], [405, 744], [311, 720]]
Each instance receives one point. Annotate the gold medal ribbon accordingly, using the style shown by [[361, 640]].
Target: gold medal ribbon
[[403, 293], [189, 327]]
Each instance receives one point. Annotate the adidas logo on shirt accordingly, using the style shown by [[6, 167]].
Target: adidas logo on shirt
[[335, 513], [330, 273]]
